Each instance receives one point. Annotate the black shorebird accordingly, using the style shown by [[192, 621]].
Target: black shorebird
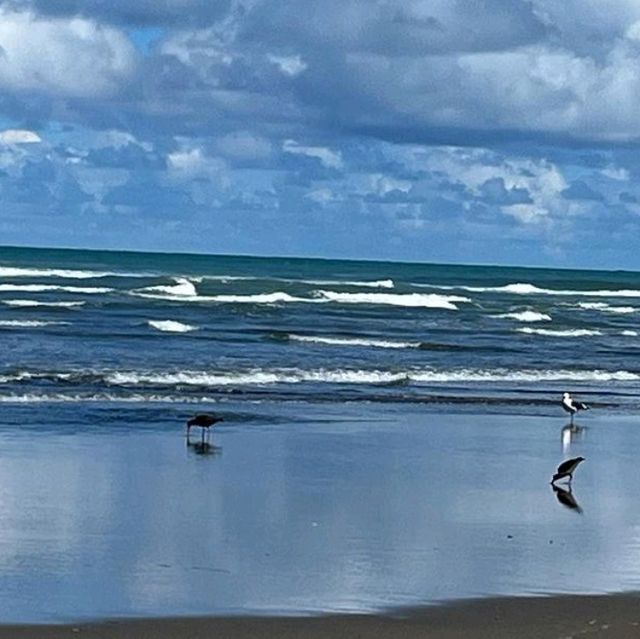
[[204, 421], [566, 469], [572, 406]]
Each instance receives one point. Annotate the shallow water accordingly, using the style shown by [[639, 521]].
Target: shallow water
[[303, 508]]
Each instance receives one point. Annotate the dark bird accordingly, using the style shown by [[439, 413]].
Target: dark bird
[[572, 406], [566, 498], [204, 421], [566, 469]]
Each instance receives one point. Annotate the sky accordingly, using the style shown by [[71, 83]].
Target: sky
[[474, 131]]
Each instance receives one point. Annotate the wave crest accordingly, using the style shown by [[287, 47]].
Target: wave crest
[[353, 341], [549, 332], [526, 316], [34, 303], [171, 326]]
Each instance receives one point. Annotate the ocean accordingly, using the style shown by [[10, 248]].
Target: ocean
[[389, 434], [117, 327]]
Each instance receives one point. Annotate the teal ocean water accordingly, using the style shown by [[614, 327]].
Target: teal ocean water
[[88, 326]]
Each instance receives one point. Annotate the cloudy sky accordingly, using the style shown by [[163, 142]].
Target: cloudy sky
[[493, 131]]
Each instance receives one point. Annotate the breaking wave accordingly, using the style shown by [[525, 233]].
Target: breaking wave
[[571, 332], [257, 377], [520, 288], [14, 271], [602, 306], [34, 303], [526, 316], [171, 326], [28, 323], [430, 300], [182, 288], [185, 291], [365, 284], [353, 341]]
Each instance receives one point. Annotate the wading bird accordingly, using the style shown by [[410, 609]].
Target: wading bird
[[204, 421], [566, 469], [572, 406]]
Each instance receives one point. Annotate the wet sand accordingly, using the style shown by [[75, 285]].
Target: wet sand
[[614, 617], [303, 510]]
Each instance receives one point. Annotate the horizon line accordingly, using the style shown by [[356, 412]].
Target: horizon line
[[188, 253]]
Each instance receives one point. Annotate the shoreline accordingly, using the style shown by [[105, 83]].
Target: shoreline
[[613, 616]]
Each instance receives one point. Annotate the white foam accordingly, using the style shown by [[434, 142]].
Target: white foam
[[34, 303], [171, 326], [43, 288], [12, 271], [527, 316], [137, 398], [27, 323], [602, 306], [260, 298], [630, 333], [182, 288], [365, 284], [430, 300], [523, 288], [259, 377], [388, 283], [572, 332], [353, 341]]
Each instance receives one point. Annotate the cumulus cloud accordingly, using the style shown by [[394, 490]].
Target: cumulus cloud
[[330, 159], [62, 56], [19, 136]]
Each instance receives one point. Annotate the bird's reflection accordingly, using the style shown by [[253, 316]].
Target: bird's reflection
[[566, 498], [570, 433], [203, 447]]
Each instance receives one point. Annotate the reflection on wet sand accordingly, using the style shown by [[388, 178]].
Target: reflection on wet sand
[[566, 498], [203, 448], [569, 434]]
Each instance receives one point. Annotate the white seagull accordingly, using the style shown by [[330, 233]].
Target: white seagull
[[572, 406]]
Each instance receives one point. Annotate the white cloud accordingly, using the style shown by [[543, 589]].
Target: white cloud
[[292, 65], [472, 168], [616, 173], [19, 136], [191, 162], [66, 56], [330, 159]]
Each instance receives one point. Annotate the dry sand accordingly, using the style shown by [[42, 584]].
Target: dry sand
[[614, 617]]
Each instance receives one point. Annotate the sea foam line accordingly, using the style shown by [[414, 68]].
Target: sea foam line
[[262, 377], [259, 377], [184, 292], [388, 283], [606, 308], [549, 332], [415, 300], [28, 323], [14, 271], [521, 288], [353, 341], [34, 303]]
